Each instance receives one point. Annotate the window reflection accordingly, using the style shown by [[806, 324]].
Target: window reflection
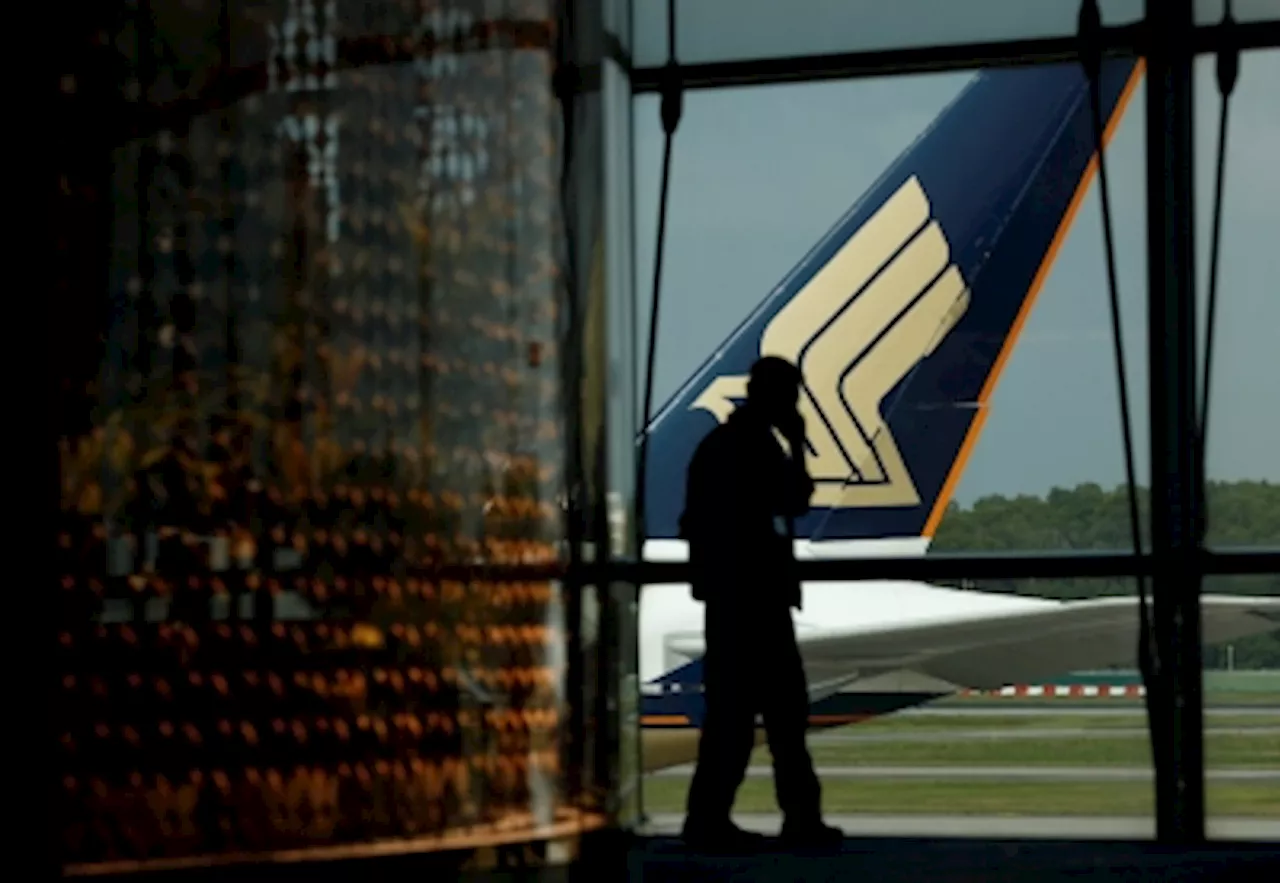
[[328, 388]]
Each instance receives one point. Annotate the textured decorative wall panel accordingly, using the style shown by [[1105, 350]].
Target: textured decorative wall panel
[[326, 390]]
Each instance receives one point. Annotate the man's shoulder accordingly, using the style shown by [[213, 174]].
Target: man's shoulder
[[719, 436], [739, 435]]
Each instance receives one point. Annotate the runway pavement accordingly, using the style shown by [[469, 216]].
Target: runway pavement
[[1047, 827], [993, 773], [854, 736]]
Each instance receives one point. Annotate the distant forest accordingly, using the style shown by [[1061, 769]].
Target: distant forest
[[1241, 514]]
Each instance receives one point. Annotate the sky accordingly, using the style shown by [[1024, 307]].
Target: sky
[[759, 174]]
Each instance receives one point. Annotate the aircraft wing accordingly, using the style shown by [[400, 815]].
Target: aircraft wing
[[1020, 647], [993, 649]]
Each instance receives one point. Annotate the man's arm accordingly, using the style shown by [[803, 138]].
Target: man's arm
[[689, 515], [698, 490], [798, 484]]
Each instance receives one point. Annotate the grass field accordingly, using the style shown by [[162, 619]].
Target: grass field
[[886, 796], [1243, 682], [1225, 751], [907, 723]]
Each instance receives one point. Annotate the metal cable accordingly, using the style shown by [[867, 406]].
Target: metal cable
[[672, 108], [1228, 73], [1090, 33]]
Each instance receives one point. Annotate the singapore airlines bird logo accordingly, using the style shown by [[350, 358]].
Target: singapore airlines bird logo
[[882, 304]]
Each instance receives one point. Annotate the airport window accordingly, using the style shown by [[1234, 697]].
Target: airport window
[[1033, 407], [724, 156]]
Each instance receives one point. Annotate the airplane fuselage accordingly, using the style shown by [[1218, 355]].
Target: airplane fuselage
[[671, 636]]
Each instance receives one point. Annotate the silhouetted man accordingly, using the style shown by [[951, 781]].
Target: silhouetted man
[[742, 494]]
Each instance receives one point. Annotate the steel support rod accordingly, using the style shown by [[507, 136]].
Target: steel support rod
[[1127, 40], [1175, 484]]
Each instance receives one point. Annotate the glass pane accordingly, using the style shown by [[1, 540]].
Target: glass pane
[[1242, 712], [623, 407], [1242, 687], [733, 30], [1210, 11], [1028, 732], [328, 387], [618, 20], [617, 250], [1034, 461], [1244, 494], [599, 221]]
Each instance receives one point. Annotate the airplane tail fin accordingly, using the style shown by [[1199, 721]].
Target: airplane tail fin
[[902, 316]]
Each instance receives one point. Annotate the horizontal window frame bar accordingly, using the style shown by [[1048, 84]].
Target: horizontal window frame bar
[[1011, 566], [928, 568], [1126, 40]]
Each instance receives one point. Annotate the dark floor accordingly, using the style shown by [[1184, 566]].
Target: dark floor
[[614, 857], [900, 860]]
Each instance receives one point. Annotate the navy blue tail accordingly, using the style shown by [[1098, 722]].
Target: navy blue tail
[[903, 315]]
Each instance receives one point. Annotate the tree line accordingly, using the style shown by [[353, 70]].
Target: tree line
[[1241, 514]]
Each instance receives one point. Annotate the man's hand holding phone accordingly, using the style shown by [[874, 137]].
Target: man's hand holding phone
[[792, 428]]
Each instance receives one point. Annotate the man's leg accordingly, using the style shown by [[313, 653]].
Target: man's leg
[[728, 731], [786, 721]]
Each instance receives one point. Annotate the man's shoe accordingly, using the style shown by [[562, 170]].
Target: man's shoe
[[721, 837], [811, 835]]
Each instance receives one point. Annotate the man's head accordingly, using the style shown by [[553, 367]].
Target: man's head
[[774, 386]]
